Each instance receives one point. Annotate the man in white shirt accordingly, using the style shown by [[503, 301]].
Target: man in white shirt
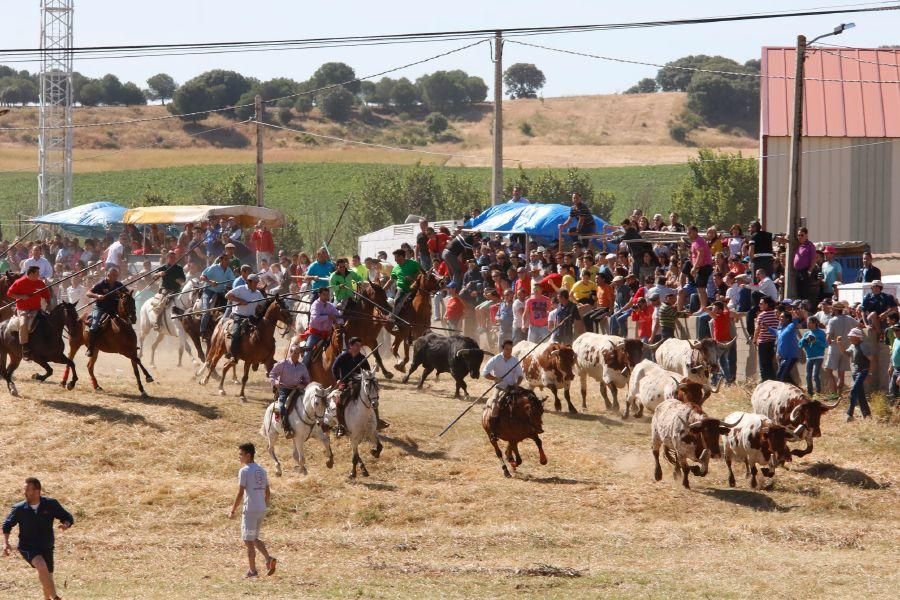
[[37, 259], [115, 254], [765, 286], [75, 291], [517, 197], [506, 371], [733, 293], [253, 490], [244, 301]]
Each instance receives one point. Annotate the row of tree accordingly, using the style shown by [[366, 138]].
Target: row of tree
[[22, 87]]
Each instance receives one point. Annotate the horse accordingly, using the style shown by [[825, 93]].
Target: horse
[[414, 318], [187, 301], [320, 367], [115, 336], [521, 421], [365, 317], [307, 416], [168, 326], [256, 347], [360, 419], [9, 308], [48, 330]]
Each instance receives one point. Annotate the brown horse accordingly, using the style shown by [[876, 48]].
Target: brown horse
[[521, 420], [48, 331], [320, 368], [414, 319], [7, 303], [256, 347], [115, 336], [365, 316]]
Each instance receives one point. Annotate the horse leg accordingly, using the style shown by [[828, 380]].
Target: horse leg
[[557, 405], [516, 454], [8, 372], [380, 364], [510, 457], [326, 441], [147, 374], [156, 342], [355, 461], [540, 447], [91, 362], [499, 454], [362, 466], [48, 371], [376, 451], [244, 380], [569, 399], [231, 364], [69, 364], [137, 377], [299, 456]]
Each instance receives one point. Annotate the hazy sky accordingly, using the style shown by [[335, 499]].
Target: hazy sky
[[107, 22]]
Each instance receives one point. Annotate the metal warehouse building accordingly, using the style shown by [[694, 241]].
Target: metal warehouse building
[[850, 170]]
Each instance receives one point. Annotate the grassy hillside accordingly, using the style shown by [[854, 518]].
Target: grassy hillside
[[312, 193]]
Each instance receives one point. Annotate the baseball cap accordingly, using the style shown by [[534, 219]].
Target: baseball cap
[[618, 279], [485, 269], [878, 283], [451, 285], [856, 332], [610, 256], [829, 249], [230, 245], [253, 277]]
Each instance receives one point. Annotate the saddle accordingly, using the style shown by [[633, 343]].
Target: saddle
[[240, 327]]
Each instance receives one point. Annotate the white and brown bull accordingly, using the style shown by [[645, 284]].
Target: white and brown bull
[[697, 360], [685, 434], [650, 384], [608, 359], [789, 406], [757, 440], [551, 365]]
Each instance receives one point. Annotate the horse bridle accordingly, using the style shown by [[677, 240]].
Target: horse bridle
[[367, 397], [315, 418]]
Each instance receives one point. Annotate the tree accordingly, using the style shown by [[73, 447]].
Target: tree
[[647, 85], [162, 87], [336, 104], [91, 93], [674, 79], [366, 91], [476, 89], [333, 73], [210, 90], [17, 90], [720, 189], [285, 115], [523, 80], [440, 92], [436, 123], [304, 104], [239, 188], [132, 95], [383, 89], [112, 89], [404, 94]]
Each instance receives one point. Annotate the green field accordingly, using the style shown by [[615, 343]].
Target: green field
[[313, 193]]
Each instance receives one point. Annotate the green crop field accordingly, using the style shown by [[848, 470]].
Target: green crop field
[[313, 193]]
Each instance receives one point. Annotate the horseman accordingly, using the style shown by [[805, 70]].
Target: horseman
[[28, 291], [107, 303], [323, 315], [172, 278], [505, 371], [216, 277], [290, 377], [245, 299], [344, 281], [347, 372], [404, 274]]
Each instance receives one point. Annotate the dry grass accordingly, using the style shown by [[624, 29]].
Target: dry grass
[[150, 482]]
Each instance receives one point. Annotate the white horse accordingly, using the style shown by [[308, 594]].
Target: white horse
[[168, 325], [360, 419], [302, 305], [307, 416]]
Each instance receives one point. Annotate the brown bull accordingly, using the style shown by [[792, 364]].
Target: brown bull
[[550, 365]]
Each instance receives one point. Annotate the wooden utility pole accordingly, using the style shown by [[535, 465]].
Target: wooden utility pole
[[497, 178], [793, 215], [260, 119]]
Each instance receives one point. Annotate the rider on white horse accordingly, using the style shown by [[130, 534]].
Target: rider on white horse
[[290, 377], [172, 279], [347, 371]]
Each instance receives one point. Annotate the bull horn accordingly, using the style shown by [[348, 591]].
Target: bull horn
[[625, 372], [715, 390], [554, 353], [463, 351], [827, 406], [653, 347], [696, 344], [730, 425], [795, 415], [798, 432]]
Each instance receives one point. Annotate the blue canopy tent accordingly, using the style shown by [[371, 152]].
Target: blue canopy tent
[[88, 220], [539, 221]]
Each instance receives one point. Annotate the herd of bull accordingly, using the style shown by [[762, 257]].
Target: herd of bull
[[671, 380]]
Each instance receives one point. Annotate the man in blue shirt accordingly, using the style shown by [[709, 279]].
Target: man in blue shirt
[[787, 344], [320, 271], [217, 277], [876, 304], [35, 517]]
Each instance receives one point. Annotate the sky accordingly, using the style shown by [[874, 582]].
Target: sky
[[108, 22]]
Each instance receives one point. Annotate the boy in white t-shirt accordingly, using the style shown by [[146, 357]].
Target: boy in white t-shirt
[[253, 490], [519, 328]]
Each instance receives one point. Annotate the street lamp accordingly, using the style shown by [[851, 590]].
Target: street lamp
[[793, 216]]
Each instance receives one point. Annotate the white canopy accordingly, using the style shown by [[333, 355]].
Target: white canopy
[[245, 215]]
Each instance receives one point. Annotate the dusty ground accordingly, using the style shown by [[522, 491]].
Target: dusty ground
[[150, 482]]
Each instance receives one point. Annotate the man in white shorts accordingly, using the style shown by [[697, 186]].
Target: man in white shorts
[[253, 490]]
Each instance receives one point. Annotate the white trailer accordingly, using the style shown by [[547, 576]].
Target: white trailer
[[391, 237]]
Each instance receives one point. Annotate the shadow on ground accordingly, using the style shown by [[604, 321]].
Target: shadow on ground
[[109, 415], [850, 477], [411, 447], [746, 498], [207, 412]]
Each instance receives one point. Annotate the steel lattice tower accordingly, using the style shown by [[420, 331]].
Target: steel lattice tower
[[55, 146]]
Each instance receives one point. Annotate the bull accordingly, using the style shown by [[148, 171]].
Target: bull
[[456, 354], [685, 433], [757, 441], [697, 360], [551, 365], [789, 406], [650, 384], [608, 359]]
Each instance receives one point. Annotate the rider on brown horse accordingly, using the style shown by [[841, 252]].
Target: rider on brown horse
[[290, 377], [404, 274], [506, 371], [107, 303], [346, 370], [322, 317], [245, 300], [28, 291]]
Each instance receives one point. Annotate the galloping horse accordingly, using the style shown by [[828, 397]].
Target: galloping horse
[[522, 420], [414, 318], [307, 417], [256, 347], [365, 317], [48, 332], [9, 309], [188, 300], [168, 326], [361, 420], [115, 336]]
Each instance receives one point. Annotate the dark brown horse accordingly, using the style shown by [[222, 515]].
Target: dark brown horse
[[47, 345], [115, 336], [255, 348], [320, 367], [364, 317], [521, 419], [414, 319], [7, 303]]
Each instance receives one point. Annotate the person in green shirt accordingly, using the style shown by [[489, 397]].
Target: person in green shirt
[[404, 275], [361, 269], [343, 283]]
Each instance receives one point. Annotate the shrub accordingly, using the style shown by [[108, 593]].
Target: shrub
[[436, 123], [525, 128]]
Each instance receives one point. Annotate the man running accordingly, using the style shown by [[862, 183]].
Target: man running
[[172, 279], [506, 371], [253, 490], [35, 517], [28, 291], [290, 377], [346, 371], [106, 303]]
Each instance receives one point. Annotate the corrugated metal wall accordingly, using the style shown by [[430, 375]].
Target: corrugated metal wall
[[846, 193]]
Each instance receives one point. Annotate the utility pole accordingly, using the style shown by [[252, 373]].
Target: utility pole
[[260, 116], [793, 215], [497, 178]]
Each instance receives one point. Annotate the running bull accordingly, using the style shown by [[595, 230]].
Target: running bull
[[456, 354]]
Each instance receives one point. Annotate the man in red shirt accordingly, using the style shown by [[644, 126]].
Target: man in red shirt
[[28, 291], [551, 283], [721, 332], [523, 281], [454, 309], [262, 242]]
